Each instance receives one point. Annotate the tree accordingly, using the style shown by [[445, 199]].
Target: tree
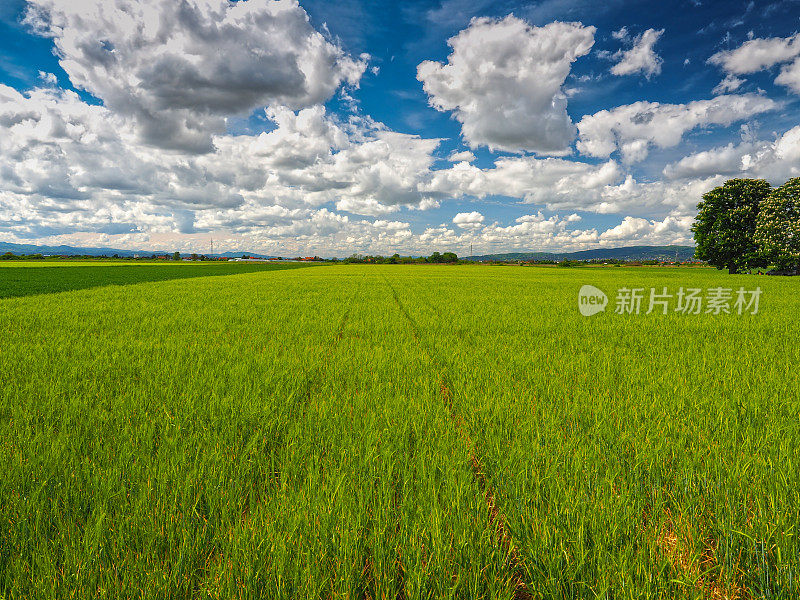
[[778, 226], [449, 257], [176, 256], [724, 229]]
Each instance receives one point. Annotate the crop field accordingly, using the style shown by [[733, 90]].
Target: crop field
[[377, 432], [28, 278]]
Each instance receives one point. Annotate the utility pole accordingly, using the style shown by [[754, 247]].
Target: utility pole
[[212, 247]]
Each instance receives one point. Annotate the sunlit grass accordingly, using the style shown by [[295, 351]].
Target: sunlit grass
[[284, 434]]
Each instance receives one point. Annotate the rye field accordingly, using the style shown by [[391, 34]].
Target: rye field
[[394, 432]]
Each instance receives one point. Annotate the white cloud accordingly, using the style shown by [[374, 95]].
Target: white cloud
[[762, 53], [640, 57], [757, 54], [69, 166], [503, 83], [775, 161], [86, 174], [671, 230], [470, 220], [179, 68], [657, 198], [426, 203], [731, 83], [364, 206], [48, 78], [790, 76], [635, 128], [539, 232], [621, 34], [566, 185], [465, 156], [722, 161], [553, 182], [76, 172]]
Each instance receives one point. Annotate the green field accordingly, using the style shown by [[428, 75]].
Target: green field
[[29, 278], [397, 432]]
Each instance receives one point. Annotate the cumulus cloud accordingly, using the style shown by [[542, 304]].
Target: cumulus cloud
[[657, 198], [74, 171], [569, 185], [69, 166], [48, 78], [775, 160], [179, 68], [722, 161], [640, 57], [634, 129], [790, 76], [532, 231], [540, 232], [759, 54], [554, 182], [465, 156], [503, 82], [671, 230], [470, 220]]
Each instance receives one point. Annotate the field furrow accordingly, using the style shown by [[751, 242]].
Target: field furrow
[[398, 432], [496, 520]]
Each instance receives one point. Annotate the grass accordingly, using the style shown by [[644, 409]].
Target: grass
[[49, 278], [380, 431]]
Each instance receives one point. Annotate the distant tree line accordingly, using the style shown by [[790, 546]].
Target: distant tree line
[[142, 257], [746, 224], [12, 256], [396, 259]]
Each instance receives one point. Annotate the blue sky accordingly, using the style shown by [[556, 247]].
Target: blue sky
[[330, 127]]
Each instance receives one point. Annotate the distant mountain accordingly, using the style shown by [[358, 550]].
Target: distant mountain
[[683, 253], [78, 251], [68, 250]]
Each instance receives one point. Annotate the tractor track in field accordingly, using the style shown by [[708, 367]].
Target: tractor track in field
[[311, 381], [497, 519], [313, 377]]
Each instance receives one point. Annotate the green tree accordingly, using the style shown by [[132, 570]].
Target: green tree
[[176, 256], [724, 229], [449, 257], [778, 226]]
